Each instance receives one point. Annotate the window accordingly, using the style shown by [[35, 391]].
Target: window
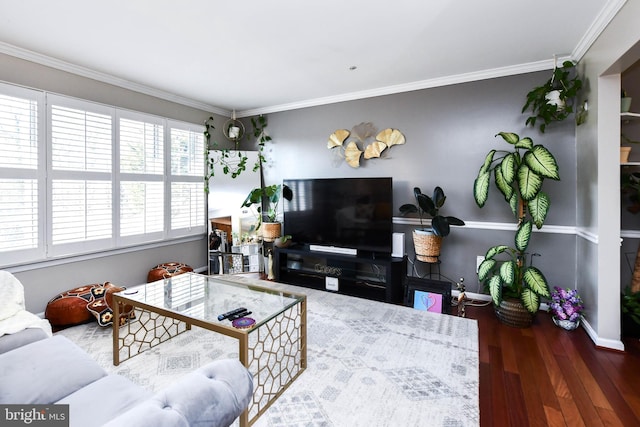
[[141, 177], [81, 183], [79, 177], [21, 174], [186, 179]]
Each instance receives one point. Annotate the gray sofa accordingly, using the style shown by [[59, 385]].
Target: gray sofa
[[56, 371]]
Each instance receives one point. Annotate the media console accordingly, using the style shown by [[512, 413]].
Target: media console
[[377, 278]]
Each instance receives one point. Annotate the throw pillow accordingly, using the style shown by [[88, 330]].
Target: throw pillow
[[102, 305]]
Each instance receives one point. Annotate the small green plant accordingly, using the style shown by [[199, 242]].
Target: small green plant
[[268, 197], [631, 304], [430, 206], [545, 109]]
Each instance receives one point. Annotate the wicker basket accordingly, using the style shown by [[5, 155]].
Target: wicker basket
[[427, 246], [512, 312], [270, 231]]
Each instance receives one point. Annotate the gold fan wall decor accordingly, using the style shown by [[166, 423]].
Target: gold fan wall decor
[[362, 134]]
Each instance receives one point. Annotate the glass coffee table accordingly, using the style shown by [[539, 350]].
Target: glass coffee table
[[272, 339]]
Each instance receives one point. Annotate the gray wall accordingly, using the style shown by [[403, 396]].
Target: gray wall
[[44, 280], [448, 131]]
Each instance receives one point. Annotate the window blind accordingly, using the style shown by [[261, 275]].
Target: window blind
[[81, 183], [20, 193]]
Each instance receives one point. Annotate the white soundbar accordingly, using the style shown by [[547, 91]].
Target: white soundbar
[[333, 249]]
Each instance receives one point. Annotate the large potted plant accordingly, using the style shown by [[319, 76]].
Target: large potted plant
[[553, 100], [516, 287], [428, 240], [266, 200]]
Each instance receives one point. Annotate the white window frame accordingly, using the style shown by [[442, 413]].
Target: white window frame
[[46, 252], [195, 179], [37, 253], [88, 246]]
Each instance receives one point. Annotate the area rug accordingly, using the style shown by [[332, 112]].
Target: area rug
[[369, 364]]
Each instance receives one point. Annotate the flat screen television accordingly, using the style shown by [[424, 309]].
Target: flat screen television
[[343, 213]]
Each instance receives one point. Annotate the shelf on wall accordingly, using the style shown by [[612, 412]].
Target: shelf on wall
[[629, 116]]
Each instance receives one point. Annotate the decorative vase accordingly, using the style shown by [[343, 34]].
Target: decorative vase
[[427, 245], [567, 325], [512, 312], [625, 104]]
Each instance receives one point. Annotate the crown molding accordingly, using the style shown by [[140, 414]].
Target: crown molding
[[603, 19], [58, 64], [406, 87]]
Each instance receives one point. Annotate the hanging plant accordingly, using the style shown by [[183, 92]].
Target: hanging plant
[[233, 161], [553, 101]]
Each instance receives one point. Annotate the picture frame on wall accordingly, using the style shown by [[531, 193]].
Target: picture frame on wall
[[428, 294]]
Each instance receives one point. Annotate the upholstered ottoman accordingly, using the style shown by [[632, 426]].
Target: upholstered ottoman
[[166, 270]]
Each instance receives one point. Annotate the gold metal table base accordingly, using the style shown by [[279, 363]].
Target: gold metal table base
[[275, 353]]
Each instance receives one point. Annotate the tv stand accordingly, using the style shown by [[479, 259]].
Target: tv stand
[[379, 278]]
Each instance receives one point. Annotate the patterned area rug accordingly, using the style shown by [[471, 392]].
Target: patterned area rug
[[369, 364]]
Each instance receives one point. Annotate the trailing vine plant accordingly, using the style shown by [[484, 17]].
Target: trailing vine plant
[[233, 160]]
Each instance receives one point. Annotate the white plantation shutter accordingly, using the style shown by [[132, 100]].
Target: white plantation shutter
[[21, 178], [188, 214], [78, 177], [81, 180], [141, 147], [142, 187], [141, 208]]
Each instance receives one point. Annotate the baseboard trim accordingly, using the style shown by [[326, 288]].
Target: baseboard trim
[[602, 342]]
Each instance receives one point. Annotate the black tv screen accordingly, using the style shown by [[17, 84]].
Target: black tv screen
[[351, 213]]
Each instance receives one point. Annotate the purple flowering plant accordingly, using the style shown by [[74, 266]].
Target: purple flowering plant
[[566, 304]]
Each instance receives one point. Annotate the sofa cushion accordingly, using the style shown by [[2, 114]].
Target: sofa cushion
[[214, 395], [12, 341], [70, 308], [45, 371], [103, 400]]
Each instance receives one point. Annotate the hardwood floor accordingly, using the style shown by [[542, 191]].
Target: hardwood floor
[[546, 376]]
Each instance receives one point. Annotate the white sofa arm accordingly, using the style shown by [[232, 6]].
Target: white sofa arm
[[214, 395]]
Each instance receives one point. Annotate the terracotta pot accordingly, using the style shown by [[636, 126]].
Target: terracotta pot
[[512, 312]]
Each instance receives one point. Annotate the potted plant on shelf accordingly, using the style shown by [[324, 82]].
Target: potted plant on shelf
[[428, 240], [553, 101], [515, 287], [625, 102], [266, 200]]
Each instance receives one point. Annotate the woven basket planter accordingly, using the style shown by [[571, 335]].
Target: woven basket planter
[[512, 312], [427, 246], [270, 231]]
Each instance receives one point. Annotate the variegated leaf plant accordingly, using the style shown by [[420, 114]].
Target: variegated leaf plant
[[519, 175]]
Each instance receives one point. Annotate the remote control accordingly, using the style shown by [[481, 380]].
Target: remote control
[[239, 315], [231, 313]]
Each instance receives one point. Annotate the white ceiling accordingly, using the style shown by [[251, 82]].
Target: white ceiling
[[261, 56]]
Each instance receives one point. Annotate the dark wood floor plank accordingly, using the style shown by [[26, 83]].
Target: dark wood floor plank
[[554, 417], [559, 378], [518, 415], [499, 404]]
